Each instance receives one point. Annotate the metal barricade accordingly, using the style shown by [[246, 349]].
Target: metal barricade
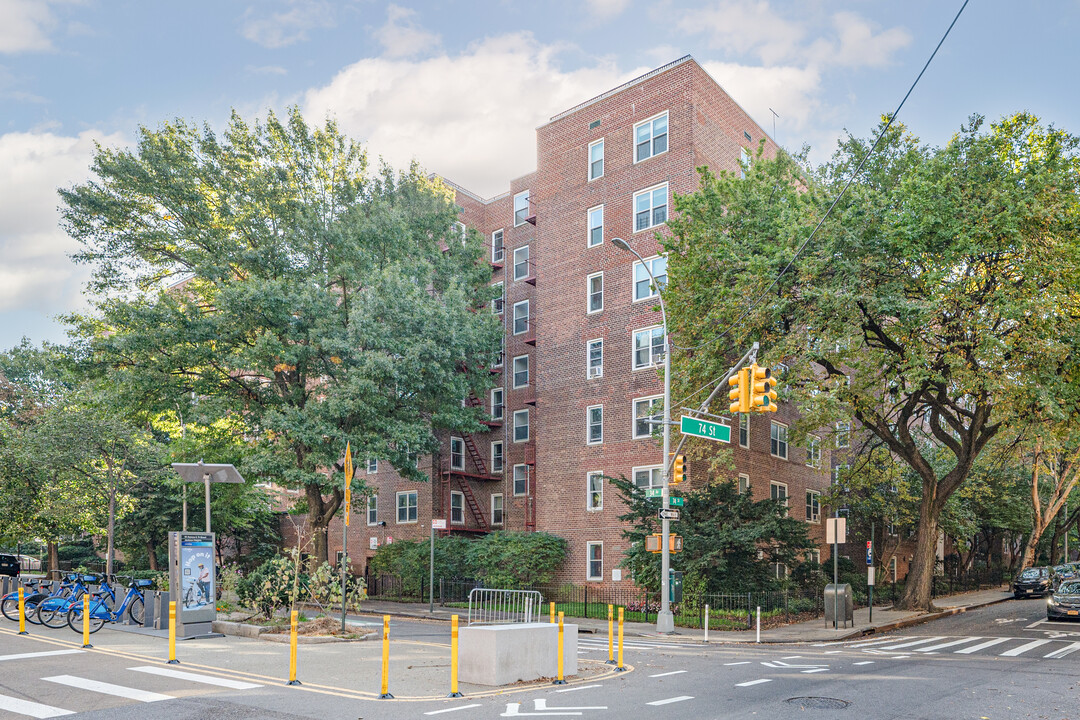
[[488, 606]]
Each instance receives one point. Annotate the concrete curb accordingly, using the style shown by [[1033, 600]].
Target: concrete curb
[[228, 627], [920, 619]]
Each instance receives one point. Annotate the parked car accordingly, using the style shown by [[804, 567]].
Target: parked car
[[1064, 604], [1033, 581], [9, 565], [1061, 573]]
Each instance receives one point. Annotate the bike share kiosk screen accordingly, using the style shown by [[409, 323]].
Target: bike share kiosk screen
[[191, 581]]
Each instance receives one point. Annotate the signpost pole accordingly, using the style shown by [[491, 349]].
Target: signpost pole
[[870, 569], [431, 573], [835, 574]]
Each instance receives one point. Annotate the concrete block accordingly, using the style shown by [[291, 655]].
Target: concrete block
[[505, 654]]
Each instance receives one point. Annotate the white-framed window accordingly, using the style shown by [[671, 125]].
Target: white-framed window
[[780, 570], [596, 159], [594, 491], [838, 473], [648, 414], [594, 289], [596, 226], [521, 371], [496, 456], [457, 453], [521, 207], [497, 251], [744, 430], [373, 510], [497, 404], [778, 491], [650, 207], [744, 483], [813, 451], [649, 477], [648, 347], [521, 480], [521, 262], [521, 425], [778, 440], [814, 556], [643, 284], [594, 351], [813, 506], [843, 434], [594, 425], [457, 507], [744, 162], [595, 552], [372, 466], [406, 506], [502, 352], [499, 300], [521, 317], [651, 137], [497, 509]]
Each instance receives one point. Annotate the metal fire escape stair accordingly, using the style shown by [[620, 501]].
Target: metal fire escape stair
[[474, 506]]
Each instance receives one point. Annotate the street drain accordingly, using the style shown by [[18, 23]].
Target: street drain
[[818, 703]]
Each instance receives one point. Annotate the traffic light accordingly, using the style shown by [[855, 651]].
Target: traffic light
[[762, 389], [740, 391], [677, 470]]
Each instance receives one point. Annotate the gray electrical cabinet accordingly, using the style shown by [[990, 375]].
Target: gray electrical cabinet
[[839, 603]]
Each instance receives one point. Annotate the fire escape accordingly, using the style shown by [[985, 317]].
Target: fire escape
[[461, 480]]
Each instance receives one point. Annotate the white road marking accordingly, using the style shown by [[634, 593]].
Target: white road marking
[[833, 652], [580, 687], [32, 709], [541, 704], [452, 709], [864, 662], [195, 677], [753, 682], [671, 700], [875, 642], [981, 646], [744, 662], [912, 644], [782, 664], [673, 672], [1067, 650], [108, 688], [791, 657], [952, 643], [1023, 648], [47, 653], [815, 670]]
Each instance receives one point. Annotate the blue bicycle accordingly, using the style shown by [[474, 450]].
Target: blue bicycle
[[134, 603], [32, 595], [52, 612]]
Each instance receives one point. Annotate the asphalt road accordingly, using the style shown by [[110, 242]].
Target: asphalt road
[[1000, 662]]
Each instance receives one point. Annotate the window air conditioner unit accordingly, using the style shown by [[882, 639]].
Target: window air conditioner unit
[[595, 372]]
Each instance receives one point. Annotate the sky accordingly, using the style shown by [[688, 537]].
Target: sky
[[461, 86]]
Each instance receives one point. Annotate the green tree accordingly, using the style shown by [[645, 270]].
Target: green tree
[[943, 277], [268, 273]]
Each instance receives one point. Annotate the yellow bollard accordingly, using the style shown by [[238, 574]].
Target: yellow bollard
[[610, 635], [619, 667], [453, 657], [22, 612], [292, 650], [551, 610], [86, 621], [385, 694], [172, 633], [559, 680]]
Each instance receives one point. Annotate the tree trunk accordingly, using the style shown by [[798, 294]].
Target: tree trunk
[[320, 512], [1055, 555], [54, 560], [920, 578], [151, 552]]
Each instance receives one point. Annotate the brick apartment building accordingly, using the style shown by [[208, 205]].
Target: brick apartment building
[[583, 340]]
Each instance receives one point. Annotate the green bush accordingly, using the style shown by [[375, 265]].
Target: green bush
[[271, 586]]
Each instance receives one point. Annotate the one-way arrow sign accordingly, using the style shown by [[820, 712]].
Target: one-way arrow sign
[[669, 514]]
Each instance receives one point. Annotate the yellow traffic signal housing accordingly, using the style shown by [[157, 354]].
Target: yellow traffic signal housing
[[740, 391], [654, 543], [762, 389], [677, 470]]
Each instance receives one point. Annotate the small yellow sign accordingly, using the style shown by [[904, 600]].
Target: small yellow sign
[[348, 481]]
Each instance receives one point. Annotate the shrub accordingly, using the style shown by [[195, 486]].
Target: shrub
[[273, 585]]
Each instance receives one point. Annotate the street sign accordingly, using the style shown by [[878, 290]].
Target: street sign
[[869, 552], [669, 514], [835, 530], [870, 575], [438, 524], [677, 501], [654, 492], [705, 429]]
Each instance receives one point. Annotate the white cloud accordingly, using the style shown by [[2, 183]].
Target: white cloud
[[25, 26], [471, 117], [745, 28], [36, 273], [402, 37], [792, 91], [288, 26], [607, 9], [858, 45]]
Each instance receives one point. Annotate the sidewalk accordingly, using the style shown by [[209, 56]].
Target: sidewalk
[[809, 631]]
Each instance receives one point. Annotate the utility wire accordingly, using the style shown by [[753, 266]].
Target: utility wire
[[843, 191]]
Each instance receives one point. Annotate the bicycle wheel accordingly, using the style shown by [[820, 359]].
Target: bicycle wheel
[[52, 615], [137, 610], [31, 605], [75, 620], [10, 607]]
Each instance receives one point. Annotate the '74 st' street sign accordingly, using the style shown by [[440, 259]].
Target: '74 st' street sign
[[705, 429]]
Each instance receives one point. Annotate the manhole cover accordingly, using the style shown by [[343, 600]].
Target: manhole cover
[[818, 703]]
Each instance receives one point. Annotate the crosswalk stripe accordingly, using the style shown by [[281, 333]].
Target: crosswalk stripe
[[912, 644], [31, 709], [668, 701], [108, 688], [47, 653], [981, 646], [875, 642], [195, 677], [1024, 648], [1062, 652], [753, 682], [952, 643]]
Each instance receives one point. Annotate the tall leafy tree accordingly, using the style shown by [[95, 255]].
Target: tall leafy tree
[[271, 274], [943, 278]]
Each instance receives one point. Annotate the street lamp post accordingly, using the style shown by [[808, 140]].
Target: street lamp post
[[665, 621]]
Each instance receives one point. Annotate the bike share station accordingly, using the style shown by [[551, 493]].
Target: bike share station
[[192, 575]]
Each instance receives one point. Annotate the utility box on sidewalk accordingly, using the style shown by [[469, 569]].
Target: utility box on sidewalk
[[839, 602]]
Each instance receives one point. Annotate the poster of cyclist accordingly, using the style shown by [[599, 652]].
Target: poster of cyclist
[[192, 578], [197, 568]]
